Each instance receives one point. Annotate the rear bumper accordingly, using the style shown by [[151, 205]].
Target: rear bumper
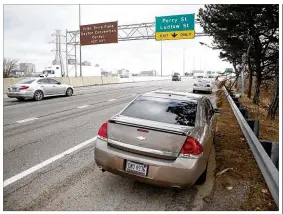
[[209, 89], [21, 94], [181, 172]]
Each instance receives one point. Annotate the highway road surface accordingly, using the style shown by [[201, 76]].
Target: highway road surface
[[48, 154]]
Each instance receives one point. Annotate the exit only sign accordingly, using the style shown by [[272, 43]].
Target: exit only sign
[[175, 27]]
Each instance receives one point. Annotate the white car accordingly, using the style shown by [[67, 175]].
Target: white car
[[202, 85]]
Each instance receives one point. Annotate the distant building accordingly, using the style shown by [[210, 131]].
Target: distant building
[[106, 73], [148, 73], [123, 73], [27, 68], [197, 71], [86, 63], [16, 73]]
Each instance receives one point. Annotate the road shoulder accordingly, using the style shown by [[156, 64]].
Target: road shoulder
[[240, 186]]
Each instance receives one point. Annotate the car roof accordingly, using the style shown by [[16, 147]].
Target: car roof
[[174, 95]]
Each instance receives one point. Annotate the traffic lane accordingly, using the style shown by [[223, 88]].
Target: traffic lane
[[77, 184], [87, 90], [19, 139], [53, 105], [49, 106], [32, 189], [29, 144], [47, 136]]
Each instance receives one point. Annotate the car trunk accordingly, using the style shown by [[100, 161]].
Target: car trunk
[[16, 87], [147, 138]]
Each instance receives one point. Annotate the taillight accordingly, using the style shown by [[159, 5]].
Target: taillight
[[102, 132], [207, 85], [24, 87], [142, 130], [191, 147]]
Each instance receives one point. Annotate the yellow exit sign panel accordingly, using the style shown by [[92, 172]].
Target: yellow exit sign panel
[[188, 34]]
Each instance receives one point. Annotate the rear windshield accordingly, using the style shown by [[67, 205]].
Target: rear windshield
[[26, 81], [163, 110]]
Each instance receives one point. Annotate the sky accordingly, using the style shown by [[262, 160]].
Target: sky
[[28, 29]]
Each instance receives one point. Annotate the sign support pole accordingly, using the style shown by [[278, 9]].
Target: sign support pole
[[80, 43], [161, 58]]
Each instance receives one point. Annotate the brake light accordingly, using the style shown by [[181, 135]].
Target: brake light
[[207, 85], [102, 132], [142, 130], [191, 147], [24, 87]]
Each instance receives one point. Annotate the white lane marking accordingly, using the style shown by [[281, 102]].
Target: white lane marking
[[45, 163], [26, 120], [83, 106], [112, 100]]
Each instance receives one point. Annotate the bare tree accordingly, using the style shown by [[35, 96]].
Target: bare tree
[[8, 66]]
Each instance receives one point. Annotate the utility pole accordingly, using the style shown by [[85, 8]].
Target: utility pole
[[67, 69], [58, 51], [161, 58], [184, 62], [80, 42]]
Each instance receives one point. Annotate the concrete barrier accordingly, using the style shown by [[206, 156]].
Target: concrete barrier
[[88, 81], [64, 80], [110, 80], [76, 81], [95, 80], [10, 81]]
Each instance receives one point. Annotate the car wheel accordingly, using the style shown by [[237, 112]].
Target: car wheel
[[38, 95], [21, 98], [194, 91], [201, 180], [69, 92]]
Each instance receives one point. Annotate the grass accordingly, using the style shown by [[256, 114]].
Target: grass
[[268, 129]]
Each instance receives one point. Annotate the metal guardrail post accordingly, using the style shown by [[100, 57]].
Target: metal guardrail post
[[254, 124], [244, 112], [265, 164]]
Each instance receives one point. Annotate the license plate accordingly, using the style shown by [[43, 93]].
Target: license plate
[[14, 89], [137, 168]]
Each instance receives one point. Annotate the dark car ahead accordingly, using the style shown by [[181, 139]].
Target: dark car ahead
[[176, 77]]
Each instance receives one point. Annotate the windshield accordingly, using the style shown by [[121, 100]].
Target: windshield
[[48, 72], [163, 110]]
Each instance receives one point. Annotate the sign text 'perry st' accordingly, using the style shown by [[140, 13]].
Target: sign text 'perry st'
[[175, 27], [99, 33]]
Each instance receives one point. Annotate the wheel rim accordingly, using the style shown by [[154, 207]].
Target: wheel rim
[[69, 92], [38, 95]]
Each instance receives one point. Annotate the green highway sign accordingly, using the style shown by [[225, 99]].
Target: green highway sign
[[229, 70], [175, 27]]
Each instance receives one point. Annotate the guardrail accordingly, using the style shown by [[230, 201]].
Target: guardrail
[[266, 166]]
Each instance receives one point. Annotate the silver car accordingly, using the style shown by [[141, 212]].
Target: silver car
[[202, 85], [162, 138], [38, 88]]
